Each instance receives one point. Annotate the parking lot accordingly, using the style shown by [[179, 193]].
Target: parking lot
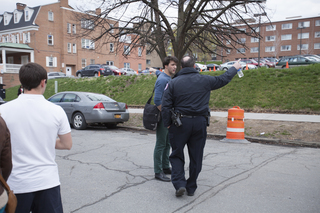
[[112, 171]]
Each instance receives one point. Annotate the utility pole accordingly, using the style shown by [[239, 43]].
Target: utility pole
[[301, 27], [259, 15]]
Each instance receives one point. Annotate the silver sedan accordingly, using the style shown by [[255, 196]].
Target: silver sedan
[[83, 108], [229, 64]]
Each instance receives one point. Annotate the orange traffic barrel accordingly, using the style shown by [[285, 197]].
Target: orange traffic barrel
[[235, 126]]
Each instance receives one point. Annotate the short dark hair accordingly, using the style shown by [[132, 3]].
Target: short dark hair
[[31, 74], [187, 61], [166, 60]]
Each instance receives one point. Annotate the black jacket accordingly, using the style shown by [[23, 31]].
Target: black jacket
[[189, 92]]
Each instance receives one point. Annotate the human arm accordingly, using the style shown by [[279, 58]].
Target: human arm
[[64, 141], [159, 89]]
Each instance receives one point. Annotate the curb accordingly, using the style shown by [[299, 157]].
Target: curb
[[271, 141]]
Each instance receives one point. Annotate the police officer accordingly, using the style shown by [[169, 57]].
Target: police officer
[[188, 95]]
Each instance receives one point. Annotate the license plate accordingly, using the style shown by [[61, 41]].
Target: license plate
[[117, 116]]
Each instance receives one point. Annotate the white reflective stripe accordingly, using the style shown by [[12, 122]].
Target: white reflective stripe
[[232, 119], [235, 129]]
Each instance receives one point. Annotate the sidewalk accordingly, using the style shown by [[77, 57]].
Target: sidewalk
[[262, 116]]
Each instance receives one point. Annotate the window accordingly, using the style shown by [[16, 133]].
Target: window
[[139, 67], [286, 48], [50, 16], [254, 49], [228, 51], [304, 24], [148, 61], [317, 22], [74, 47], [228, 41], [92, 61], [303, 46], [271, 28], [242, 40], [27, 15], [111, 47], [74, 29], [286, 37], [51, 61], [270, 49], [69, 47], [111, 28], [286, 26], [13, 38], [317, 34], [270, 38], [139, 51], [17, 38], [68, 28], [254, 40], [10, 60], [69, 98], [15, 17], [109, 63], [241, 50], [87, 44], [50, 39], [26, 38], [255, 29], [242, 29], [87, 24], [304, 35], [126, 50], [317, 46], [126, 65], [83, 62]]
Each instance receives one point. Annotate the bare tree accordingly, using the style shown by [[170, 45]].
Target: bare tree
[[182, 24]]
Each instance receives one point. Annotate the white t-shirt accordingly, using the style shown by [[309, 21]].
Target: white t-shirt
[[34, 124]]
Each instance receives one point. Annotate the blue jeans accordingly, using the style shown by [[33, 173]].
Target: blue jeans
[[48, 201]]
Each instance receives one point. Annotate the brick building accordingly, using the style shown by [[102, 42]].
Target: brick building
[[281, 38], [51, 36]]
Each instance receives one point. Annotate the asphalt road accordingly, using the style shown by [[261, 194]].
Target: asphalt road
[[112, 171]]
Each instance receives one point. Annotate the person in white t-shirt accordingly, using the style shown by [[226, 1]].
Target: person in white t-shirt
[[37, 128]]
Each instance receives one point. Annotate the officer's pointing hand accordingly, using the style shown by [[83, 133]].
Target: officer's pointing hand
[[237, 65]]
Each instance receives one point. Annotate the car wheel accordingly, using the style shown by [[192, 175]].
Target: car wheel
[[79, 75], [78, 121], [111, 125], [225, 69], [96, 74]]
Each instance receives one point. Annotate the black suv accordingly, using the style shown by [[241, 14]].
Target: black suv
[[93, 70]]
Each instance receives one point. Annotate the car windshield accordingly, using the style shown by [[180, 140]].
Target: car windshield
[[113, 67], [254, 61], [98, 97]]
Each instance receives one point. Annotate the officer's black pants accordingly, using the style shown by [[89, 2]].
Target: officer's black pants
[[193, 132]]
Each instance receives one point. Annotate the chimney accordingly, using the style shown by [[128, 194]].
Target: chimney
[[98, 11], [20, 6], [64, 3]]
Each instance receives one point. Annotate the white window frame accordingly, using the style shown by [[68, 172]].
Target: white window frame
[[228, 41], [68, 28], [50, 16], [139, 51], [317, 22], [87, 24], [10, 60], [51, 61], [92, 61], [139, 67], [254, 40], [304, 46], [74, 28], [316, 46], [74, 48], [112, 28], [109, 63], [87, 44], [228, 51], [317, 34], [111, 47], [242, 40], [271, 28], [288, 48], [17, 38], [254, 49], [26, 15], [241, 50], [26, 37], [126, 50], [50, 39], [69, 47], [304, 24], [83, 63], [148, 61], [286, 28], [242, 29], [270, 49], [304, 35], [284, 37], [126, 65], [272, 38]]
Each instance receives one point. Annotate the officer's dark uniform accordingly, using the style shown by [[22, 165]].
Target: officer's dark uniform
[[189, 93]]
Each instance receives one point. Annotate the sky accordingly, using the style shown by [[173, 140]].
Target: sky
[[277, 10]]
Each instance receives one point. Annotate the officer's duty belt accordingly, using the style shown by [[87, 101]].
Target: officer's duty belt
[[190, 116]]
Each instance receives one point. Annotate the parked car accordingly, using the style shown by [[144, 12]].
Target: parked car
[[253, 62], [93, 70], [115, 70], [227, 65], [84, 108], [53, 75], [272, 60], [266, 63], [202, 66], [129, 71], [294, 61], [210, 66]]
